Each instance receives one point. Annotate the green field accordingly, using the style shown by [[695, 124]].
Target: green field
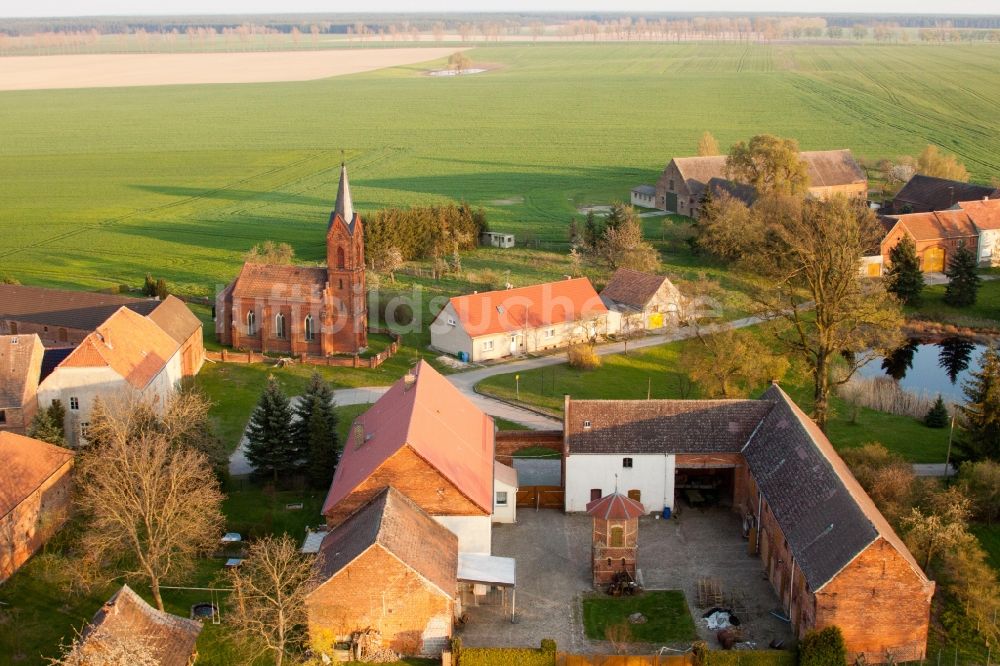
[[103, 185]]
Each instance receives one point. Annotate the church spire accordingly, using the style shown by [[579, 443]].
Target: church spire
[[343, 207]]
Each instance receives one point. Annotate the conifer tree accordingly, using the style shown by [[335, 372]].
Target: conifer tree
[[938, 416], [905, 279], [981, 412], [955, 355], [270, 449], [963, 280], [316, 432], [48, 424]]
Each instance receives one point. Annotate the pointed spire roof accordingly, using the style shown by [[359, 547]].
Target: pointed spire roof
[[344, 208]]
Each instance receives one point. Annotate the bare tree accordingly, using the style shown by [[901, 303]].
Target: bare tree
[[107, 648], [269, 591], [941, 528], [729, 363], [153, 501]]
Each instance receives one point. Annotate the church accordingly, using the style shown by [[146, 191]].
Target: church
[[296, 310]]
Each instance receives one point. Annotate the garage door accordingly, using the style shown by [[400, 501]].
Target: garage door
[[672, 202], [934, 260]]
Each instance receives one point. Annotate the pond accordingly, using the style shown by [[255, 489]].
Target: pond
[[930, 367]]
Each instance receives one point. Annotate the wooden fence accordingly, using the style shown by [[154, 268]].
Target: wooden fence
[[563, 659], [541, 497]]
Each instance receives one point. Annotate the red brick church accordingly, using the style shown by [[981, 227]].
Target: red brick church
[[303, 309]]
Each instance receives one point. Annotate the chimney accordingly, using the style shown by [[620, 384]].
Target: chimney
[[409, 379]]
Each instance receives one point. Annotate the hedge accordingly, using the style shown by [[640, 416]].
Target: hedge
[[472, 656], [749, 658]]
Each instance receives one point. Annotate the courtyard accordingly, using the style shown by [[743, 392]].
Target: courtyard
[[552, 551]]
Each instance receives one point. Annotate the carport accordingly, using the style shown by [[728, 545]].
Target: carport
[[487, 580], [706, 479]]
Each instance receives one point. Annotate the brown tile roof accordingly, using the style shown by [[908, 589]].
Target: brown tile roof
[[537, 305], [176, 319], [827, 168], [20, 368], [984, 214], [81, 310], [394, 522], [615, 507], [298, 283], [661, 426], [427, 413], [171, 638], [938, 225], [634, 288], [926, 193], [823, 512], [27, 463], [131, 345]]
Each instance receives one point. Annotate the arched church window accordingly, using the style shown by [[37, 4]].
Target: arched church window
[[251, 323], [340, 257], [279, 326], [309, 331]]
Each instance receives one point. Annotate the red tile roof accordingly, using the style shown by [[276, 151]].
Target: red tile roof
[[527, 307], [615, 507], [938, 225], [984, 214], [171, 638], [20, 368], [300, 283], [128, 343], [27, 463], [427, 413]]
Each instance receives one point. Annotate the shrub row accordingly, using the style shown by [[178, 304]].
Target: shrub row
[[544, 656]]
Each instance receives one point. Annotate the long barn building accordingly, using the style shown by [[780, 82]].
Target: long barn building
[[830, 555]]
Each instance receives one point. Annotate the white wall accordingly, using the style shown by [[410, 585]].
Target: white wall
[[989, 247], [652, 475], [450, 339], [475, 533], [508, 512]]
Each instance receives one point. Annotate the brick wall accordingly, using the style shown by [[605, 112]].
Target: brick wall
[[377, 590], [509, 442], [51, 336], [415, 478], [33, 522]]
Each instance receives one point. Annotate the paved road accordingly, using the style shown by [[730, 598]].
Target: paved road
[[933, 469]]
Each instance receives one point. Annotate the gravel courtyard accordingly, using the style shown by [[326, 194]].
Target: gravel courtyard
[[553, 574]]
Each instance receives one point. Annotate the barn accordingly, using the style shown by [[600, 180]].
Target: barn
[[937, 235]]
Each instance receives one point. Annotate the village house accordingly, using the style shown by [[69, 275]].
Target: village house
[[985, 216], [430, 442], [126, 616], [642, 300], [390, 567], [491, 325], [925, 194], [821, 540], [128, 355], [303, 310], [643, 195], [35, 496], [61, 317], [20, 369], [681, 187], [177, 321], [937, 235]]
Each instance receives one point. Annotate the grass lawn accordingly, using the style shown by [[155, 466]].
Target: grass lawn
[[666, 611], [985, 313], [989, 539], [660, 373]]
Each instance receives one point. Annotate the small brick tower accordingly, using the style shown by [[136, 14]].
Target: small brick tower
[[345, 262], [616, 532]]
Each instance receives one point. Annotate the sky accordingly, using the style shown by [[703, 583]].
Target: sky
[[22, 8]]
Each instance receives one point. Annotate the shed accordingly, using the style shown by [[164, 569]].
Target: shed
[[478, 573], [644, 195], [496, 239]]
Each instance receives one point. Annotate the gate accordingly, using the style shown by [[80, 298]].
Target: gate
[[934, 260], [541, 497]]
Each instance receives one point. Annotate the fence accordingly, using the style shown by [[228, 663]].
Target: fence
[[226, 356]]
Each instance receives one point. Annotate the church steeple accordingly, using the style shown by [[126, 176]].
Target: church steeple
[[344, 208]]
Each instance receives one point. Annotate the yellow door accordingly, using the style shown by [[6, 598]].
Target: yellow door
[[874, 269], [934, 260], [655, 320]]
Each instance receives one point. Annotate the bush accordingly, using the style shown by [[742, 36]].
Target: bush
[[509, 656], [584, 357], [749, 658], [548, 645], [823, 648]]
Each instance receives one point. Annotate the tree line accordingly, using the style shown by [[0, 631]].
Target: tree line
[[393, 235]]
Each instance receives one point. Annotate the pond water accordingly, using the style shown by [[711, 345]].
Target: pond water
[[930, 367]]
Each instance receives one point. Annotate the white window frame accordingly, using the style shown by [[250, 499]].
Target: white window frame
[[586, 425], [308, 329], [279, 326], [487, 345], [452, 322], [550, 333], [74, 403], [251, 323], [501, 498]]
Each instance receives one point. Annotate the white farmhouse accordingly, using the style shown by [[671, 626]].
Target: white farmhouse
[[496, 324], [126, 355], [985, 216], [643, 301]]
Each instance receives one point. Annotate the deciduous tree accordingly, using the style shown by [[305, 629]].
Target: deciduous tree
[[149, 504], [963, 279], [770, 164], [729, 364], [270, 449], [269, 595], [621, 244], [980, 481], [270, 252], [932, 162], [109, 648], [904, 277], [707, 145], [939, 528]]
